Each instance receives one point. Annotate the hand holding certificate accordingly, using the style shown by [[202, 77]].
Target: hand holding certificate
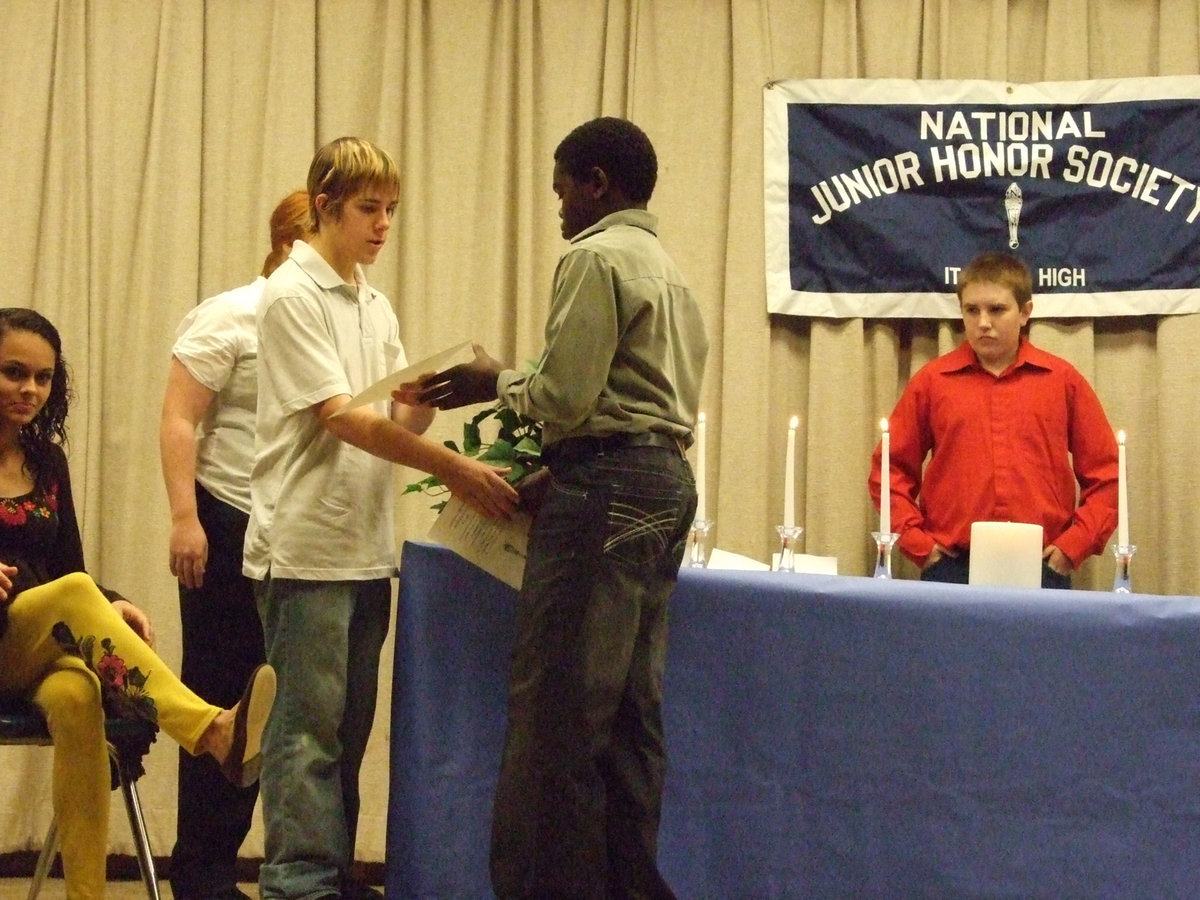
[[384, 387], [464, 384], [498, 546]]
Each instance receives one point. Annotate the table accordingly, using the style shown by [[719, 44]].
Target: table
[[834, 736]]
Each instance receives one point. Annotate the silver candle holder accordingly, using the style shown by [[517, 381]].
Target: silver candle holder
[[883, 556], [1123, 553], [699, 557]]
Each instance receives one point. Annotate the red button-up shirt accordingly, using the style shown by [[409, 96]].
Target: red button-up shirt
[[1008, 448]]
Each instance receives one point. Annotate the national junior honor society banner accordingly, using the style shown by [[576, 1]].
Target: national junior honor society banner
[[877, 192]]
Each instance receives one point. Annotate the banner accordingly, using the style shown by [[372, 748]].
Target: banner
[[878, 192]]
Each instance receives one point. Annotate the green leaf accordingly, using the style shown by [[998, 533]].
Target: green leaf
[[529, 446], [510, 419], [501, 451], [484, 414], [517, 446], [472, 441], [423, 485]]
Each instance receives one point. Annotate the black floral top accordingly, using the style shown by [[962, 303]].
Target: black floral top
[[39, 533]]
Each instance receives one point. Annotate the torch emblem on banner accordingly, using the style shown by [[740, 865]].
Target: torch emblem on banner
[[1012, 212]]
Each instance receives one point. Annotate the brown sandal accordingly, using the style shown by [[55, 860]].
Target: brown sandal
[[244, 762]]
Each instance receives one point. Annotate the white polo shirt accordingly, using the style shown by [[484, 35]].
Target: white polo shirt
[[217, 342], [321, 509]]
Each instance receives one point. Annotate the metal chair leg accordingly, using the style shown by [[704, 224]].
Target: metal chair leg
[[22, 723], [44, 861], [137, 826]]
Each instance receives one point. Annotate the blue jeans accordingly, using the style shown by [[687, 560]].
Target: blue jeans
[[324, 640], [580, 788]]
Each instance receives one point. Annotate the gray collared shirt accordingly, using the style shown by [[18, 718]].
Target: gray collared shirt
[[625, 341]]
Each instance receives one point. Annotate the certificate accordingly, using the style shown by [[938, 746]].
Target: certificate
[[498, 546], [382, 389]]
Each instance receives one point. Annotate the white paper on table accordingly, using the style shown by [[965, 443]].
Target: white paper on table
[[498, 546], [382, 389], [723, 559]]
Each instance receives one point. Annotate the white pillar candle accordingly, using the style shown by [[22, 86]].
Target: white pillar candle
[[789, 476], [700, 468], [1122, 494], [885, 481], [1006, 554]]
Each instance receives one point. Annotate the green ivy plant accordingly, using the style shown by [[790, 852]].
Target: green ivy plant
[[517, 445]]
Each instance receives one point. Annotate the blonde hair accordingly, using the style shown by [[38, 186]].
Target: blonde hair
[[289, 223], [344, 167]]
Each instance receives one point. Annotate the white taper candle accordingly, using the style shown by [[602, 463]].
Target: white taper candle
[[789, 476], [885, 481], [1122, 494]]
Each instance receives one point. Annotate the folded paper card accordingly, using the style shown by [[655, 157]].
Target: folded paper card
[[723, 559], [1006, 554], [382, 389], [497, 546]]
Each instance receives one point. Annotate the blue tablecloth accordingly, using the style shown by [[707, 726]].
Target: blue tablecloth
[[842, 737]]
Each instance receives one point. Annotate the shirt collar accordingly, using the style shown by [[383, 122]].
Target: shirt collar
[[639, 218], [314, 265], [963, 357]]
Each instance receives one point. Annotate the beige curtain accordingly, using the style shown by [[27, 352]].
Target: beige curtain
[[142, 146]]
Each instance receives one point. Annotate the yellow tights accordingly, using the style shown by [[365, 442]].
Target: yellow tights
[[34, 665]]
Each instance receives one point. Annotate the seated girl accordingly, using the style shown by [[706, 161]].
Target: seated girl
[[73, 650]]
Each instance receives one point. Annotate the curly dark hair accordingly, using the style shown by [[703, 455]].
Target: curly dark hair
[[617, 147], [50, 425]]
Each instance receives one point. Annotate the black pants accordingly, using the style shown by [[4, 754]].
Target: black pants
[[222, 643], [957, 570]]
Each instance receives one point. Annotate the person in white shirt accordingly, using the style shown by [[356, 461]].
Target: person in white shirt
[[206, 439], [320, 542]]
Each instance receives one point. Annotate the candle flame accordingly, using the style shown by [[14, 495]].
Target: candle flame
[[701, 418], [794, 422], [883, 424], [1121, 436]]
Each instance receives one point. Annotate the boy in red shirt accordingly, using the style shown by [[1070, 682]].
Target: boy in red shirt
[[1010, 432]]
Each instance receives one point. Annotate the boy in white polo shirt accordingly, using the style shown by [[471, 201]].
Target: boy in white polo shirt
[[320, 541]]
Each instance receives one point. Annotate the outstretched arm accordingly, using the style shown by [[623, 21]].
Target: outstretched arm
[[480, 486]]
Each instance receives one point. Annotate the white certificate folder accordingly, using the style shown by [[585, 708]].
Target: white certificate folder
[[382, 389]]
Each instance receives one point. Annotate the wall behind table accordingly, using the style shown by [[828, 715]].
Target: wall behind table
[[143, 146]]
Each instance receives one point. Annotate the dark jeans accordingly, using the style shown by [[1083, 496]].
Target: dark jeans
[[580, 789], [957, 570], [222, 643]]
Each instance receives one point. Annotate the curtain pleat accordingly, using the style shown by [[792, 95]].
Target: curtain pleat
[[142, 147]]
